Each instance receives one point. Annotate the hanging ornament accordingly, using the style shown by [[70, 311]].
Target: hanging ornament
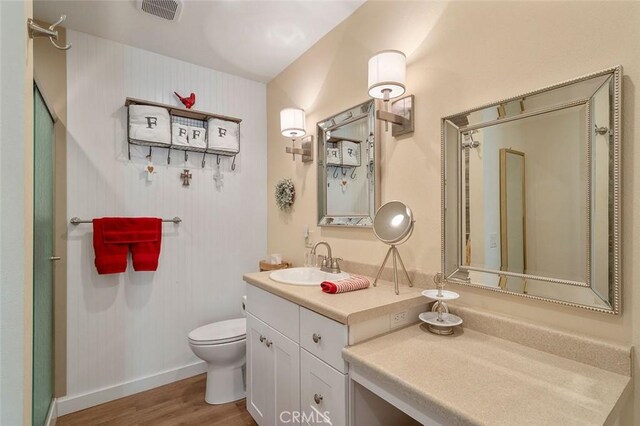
[[218, 177], [150, 169], [343, 184]]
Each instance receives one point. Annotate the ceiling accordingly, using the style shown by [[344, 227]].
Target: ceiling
[[255, 39]]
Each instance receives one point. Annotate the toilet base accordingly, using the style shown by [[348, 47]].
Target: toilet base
[[225, 385]]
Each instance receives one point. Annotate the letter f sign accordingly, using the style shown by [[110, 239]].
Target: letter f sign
[[151, 122]]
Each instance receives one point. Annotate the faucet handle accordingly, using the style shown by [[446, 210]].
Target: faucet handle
[[323, 263], [335, 266]]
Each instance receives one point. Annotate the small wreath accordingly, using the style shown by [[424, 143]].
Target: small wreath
[[285, 194]]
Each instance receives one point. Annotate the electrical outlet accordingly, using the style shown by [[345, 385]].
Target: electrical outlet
[[493, 240], [308, 241], [399, 318]]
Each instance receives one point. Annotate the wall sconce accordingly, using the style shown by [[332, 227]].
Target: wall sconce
[[387, 74], [292, 126]]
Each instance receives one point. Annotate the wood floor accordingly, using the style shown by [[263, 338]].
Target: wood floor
[[179, 403]]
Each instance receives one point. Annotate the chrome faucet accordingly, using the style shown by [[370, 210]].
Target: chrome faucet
[[329, 264]]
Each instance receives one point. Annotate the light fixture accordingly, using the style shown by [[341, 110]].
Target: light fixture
[[292, 126], [387, 75]]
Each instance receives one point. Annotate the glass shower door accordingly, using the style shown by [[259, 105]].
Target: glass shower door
[[43, 257]]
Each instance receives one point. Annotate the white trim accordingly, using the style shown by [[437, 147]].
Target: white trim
[[73, 403], [52, 415]]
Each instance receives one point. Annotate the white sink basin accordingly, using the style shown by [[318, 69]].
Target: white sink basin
[[305, 276]]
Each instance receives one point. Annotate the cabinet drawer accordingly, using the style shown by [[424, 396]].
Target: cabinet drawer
[[323, 392], [275, 311], [324, 338]]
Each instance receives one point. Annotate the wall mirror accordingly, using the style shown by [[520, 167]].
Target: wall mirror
[[531, 194], [348, 172]]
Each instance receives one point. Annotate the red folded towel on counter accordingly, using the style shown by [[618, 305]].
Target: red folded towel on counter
[[114, 236], [354, 282]]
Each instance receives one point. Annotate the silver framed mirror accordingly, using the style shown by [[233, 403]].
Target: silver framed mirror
[[531, 194], [348, 167]]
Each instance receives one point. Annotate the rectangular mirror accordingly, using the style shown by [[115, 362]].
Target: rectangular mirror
[[531, 194], [348, 172]]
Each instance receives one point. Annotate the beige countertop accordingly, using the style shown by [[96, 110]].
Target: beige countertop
[[474, 378], [347, 308]]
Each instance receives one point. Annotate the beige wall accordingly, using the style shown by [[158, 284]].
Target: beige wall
[[460, 55], [50, 71]]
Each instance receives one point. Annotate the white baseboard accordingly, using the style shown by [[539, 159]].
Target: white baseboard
[[52, 415], [73, 403]]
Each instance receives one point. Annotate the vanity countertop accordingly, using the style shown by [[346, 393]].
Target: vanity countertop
[[347, 308], [474, 378]]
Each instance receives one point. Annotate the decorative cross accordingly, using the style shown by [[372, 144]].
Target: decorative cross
[[186, 177], [219, 178]]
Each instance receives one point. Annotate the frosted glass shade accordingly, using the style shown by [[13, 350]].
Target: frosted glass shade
[[387, 71], [292, 122]]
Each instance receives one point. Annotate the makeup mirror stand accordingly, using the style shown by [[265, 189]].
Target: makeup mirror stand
[[396, 255]]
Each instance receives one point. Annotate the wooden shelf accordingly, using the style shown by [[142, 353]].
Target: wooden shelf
[[182, 112]]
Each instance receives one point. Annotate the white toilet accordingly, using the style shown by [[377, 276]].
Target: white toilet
[[223, 346]]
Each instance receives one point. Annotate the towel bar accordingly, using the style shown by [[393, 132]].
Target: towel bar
[[77, 220]]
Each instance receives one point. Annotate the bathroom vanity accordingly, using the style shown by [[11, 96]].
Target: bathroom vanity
[[315, 354], [295, 338]]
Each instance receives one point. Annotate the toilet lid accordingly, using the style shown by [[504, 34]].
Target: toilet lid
[[220, 332]]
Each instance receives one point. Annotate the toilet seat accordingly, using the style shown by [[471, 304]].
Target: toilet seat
[[220, 332]]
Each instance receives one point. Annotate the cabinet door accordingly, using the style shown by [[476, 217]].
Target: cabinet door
[[323, 392], [286, 367], [260, 378]]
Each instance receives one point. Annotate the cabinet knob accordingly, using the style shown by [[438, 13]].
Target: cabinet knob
[[317, 398], [268, 343], [262, 339], [53, 258], [316, 337]]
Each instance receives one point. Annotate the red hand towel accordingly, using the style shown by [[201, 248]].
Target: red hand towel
[[110, 258], [354, 282], [145, 254]]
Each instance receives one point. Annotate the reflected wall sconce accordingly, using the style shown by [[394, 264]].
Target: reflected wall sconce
[[387, 75], [292, 126]]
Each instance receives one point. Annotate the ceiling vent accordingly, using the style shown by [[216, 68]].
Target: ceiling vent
[[165, 9]]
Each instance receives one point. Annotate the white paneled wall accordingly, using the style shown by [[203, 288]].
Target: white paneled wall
[[126, 327]]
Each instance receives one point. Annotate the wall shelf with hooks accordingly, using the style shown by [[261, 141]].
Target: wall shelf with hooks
[[228, 128]]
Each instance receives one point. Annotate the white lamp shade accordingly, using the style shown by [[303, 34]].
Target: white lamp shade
[[387, 72], [292, 122]]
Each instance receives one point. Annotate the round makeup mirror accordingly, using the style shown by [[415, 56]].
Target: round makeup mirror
[[393, 225]]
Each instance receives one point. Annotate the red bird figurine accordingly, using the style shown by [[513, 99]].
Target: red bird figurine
[[188, 102]]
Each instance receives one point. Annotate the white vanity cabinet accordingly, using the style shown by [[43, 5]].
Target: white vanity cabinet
[[273, 373], [295, 370]]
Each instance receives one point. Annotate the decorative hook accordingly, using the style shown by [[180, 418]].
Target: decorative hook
[[217, 159], [335, 173], [233, 164], [36, 30], [353, 173], [344, 171]]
